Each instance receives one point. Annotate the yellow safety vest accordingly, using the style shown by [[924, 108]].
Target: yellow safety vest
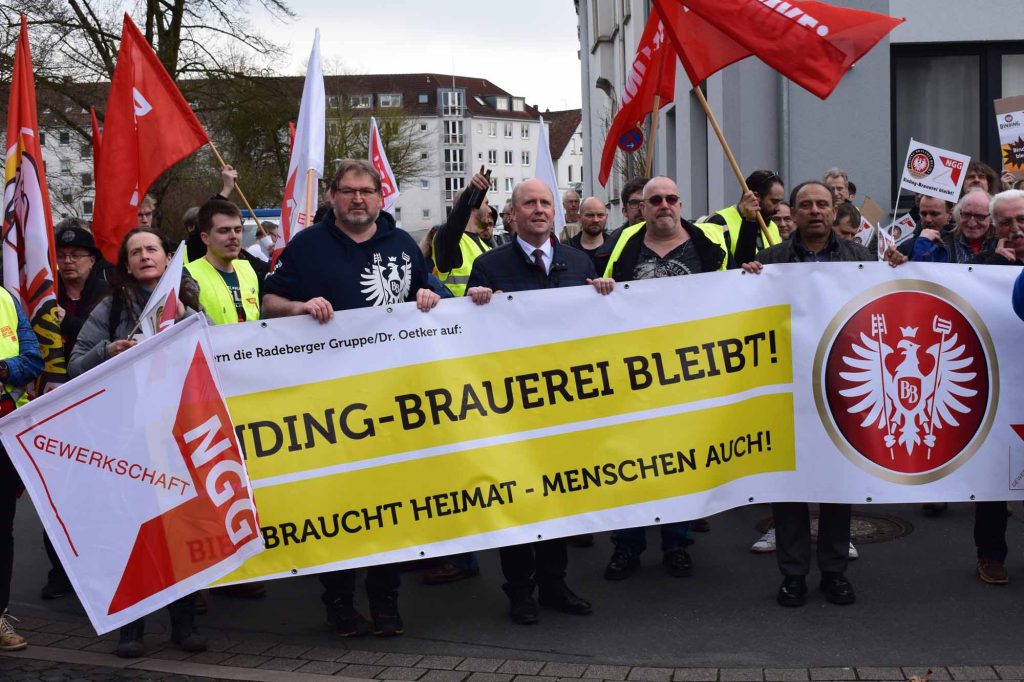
[[457, 279], [9, 346], [710, 230], [215, 297], [733, 220]]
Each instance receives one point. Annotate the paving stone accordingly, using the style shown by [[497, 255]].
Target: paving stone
[[320, 667], [480, 665], [72, 642], [103, 646], [401, 673], [324, 653], [534, 678], [609, 672], [489, 677], [741, 675], [219, 644], [41, 638], [246, 660], [786, 674], [644, 674], [287, 650], [934, 672], [833, 674], [251, 646], [284, 664], [555, 669], [58, 627], [443, 675], [1008, 672], [972, 672], [357, 657], [210, 657], [880, 674], [169, 654], [441, 662], [399, 660], [360, 670], [516, 667]]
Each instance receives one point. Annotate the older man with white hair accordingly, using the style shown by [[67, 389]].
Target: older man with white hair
[[973, 236]]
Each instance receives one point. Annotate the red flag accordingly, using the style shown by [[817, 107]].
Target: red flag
[[96, 139], [29, 266], [291, 137], [148, 128], [811, 43], [653, 73]]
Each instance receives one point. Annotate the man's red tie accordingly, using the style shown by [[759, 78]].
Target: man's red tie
[[538, 259]]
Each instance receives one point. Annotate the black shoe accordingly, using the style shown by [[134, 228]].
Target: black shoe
[[585, 540], [387, 622], [837, 589], [793, 591], [129, 643], [934, 509], [522, 607], [559, 597], [55, 588], [621, 566], [678, 563], [346, 621], [183, 626], [700, 526]]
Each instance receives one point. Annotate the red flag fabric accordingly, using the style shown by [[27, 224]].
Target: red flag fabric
[[148, 128], [29, 264], [811, 43], [653, 73], [96, 139]]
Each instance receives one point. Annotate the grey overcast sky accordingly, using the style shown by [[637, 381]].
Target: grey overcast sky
[[527, 47]]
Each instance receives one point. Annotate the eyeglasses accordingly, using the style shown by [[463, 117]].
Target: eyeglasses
[[670, 199], [965, 216], [635, 203], [72, 256], [1010, 220], [351, 192]]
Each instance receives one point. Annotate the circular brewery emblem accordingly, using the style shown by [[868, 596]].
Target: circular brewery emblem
[[921, 163], [904, 381]]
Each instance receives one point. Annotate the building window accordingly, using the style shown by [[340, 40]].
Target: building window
[[332, 101], [492, 156], [453, 132], [65, 166], [86, 179], [424, 184], [508, 157], [423, 99], [65, 137], [492, 129], [508, 130], [479, 128], [453, 161], [518, 104], [67, 197], [526, 158], [524, 131], [501, 103], [87, 207], [390, 100], [452, 102], [452, 187], [360, 101], [86, 151], [426, 214], [508, 185], [42, 139], [494, 184], [569, 169]]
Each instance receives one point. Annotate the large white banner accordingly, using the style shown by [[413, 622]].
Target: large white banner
[[136, 474]]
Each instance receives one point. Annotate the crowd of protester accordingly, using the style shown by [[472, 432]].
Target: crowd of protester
[[321, 271]]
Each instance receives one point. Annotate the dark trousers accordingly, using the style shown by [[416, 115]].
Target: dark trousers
[[793, 537], [634, 540], [57, 574], [381, 581], [10, 486], [534, 563], [990, 530]]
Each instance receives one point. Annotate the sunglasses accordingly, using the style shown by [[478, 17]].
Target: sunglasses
[[670, 199]]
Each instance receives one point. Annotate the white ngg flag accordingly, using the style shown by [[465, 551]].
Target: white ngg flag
[[934, 172]]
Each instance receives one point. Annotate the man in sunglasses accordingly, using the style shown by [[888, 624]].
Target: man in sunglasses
[[663, 245], [739, 222], [814, 241]]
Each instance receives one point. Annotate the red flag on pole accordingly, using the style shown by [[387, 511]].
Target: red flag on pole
[[653, 74], [148, 128], [29, 266], [811, 43]]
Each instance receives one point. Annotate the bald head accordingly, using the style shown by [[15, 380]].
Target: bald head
[[533, 211], [593, 216], [662, 206]]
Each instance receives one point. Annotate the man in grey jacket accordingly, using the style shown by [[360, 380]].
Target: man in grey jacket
[[813, 241]]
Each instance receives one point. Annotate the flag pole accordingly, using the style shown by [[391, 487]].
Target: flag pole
[[310, 180], [732, 159], [238, 188], [650, 136]]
